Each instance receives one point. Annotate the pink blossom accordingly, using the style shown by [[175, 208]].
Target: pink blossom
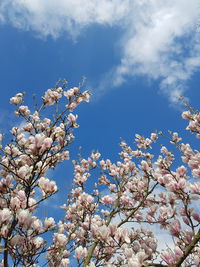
[[72, 106], [52, 95], [15, 203], [181, 171], [168, 257], [47, 186], [37, 225], [60, 239], [35, 116], [72, 118], [196, 216], [122, 234], [21, 195], [39, 139], [154, 137], [65, 155], [176, 138], [128, 253], [46, 144], [113, 228], [86, 96], [22, 216], [178, 252], [16, 99], [15, 240], [186, 115], [96, 156], [103, 232], [24, 110], [175, 228], [71, 92], [28, 127], [65, 262], [145, 166], [38, 242], [133, 262], [80, 252], [195, 188], [5, 215], [107, 200], [4, 231], [196, 173], [49, 223], [24, 172]]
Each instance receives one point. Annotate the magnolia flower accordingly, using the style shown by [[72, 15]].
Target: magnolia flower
[[24, 110], [176, 138], [39, 139], [52, 95], [168, 257], [181, 171], [71, 92], [16, 99], [154, 137], [196, 173], [175, 228], [80, 252], [15, 203], [15, 240], [24, 172], [60, 239], [103, 232], [186, 115], [37, 225], [72, 118], [71, 106], [38, 242], [49, 223], [65, 262], [21, 195], [178, 252], [22, 216], [133, 263], [5, 215], [128, 253], [86, 96], [28, 127], [46, 144], [47, 186], [107, 200]]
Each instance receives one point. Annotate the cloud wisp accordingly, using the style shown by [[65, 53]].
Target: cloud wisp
[[159, 39]]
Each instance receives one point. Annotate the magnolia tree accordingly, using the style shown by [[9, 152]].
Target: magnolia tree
[[111, 208]]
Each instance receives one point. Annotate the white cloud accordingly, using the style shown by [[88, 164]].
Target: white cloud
[[161, 43], [53, 17], [159, 38]]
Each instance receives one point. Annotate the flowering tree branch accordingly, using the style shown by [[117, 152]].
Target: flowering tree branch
[[188, 250], [112, 206]]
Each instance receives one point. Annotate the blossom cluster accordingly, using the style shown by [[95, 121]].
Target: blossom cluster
[[137, 194], [108, 226], [112, 206], [38, 144]]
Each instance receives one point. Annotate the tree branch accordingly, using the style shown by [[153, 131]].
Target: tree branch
[[188, 249]]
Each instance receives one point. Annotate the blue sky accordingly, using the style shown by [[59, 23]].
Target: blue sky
[[137, 57]]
